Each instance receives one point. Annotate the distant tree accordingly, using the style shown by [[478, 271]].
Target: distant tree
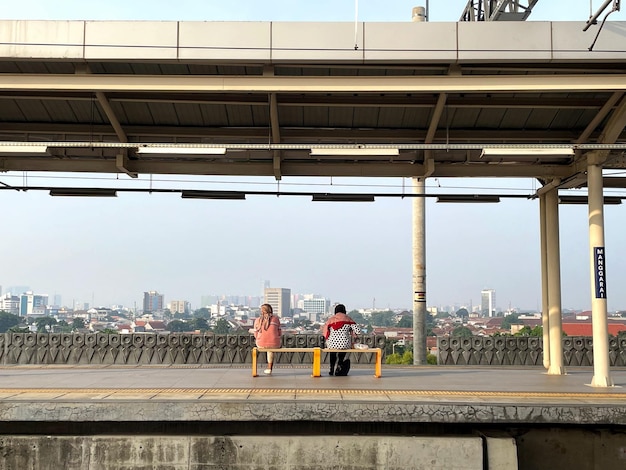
[[198, 323], [462, 331], [382, 318], [405, 322], [109, 331], [78, 323], [463, 313], [511, 320], [537, 331], [177, 326], [202, 313], [7, 321], [62, 327], [357, 317], [524, 331], [44, 322], [222, 327]]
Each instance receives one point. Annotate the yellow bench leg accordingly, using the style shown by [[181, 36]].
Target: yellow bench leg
[[254, 374], [317, 362], [379, 361]]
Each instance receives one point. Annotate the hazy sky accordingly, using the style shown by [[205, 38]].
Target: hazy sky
[[110, 251]]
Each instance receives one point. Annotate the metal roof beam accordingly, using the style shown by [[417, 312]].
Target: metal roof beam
[[305, 84], [349, 169]]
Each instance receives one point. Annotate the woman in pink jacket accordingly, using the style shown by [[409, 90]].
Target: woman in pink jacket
[[267, 333]]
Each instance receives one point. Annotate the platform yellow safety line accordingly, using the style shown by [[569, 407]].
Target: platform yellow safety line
[[285, 391]]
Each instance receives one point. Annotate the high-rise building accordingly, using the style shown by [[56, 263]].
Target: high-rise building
[[279, 299], [152, 301], [10, 303], [32, 304], [179, 306], [317, 305], [488, 302]]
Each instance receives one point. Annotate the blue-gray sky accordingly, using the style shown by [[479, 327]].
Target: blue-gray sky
[[111, 251]]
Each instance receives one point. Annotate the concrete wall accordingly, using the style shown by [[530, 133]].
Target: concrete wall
[[245, 452], [521, 350], [155, 348]]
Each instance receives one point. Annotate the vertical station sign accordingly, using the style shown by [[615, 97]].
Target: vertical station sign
[[599, 271]]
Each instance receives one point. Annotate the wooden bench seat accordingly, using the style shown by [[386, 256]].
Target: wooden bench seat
[[317, 357]]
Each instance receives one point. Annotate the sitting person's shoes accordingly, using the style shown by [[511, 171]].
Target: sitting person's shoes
[[343, 368], [267, 371]]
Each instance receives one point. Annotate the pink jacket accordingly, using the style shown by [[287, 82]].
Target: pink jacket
[[267, 337]]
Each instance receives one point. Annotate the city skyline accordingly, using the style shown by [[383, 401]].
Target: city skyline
[[254, 301]]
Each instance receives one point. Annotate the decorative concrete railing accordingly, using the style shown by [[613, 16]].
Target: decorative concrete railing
[[155, 349], [521, 350]]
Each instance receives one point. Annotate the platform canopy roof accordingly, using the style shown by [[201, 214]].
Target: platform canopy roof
[[481, 99]]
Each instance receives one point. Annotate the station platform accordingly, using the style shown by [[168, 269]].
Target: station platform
[[426, 394]]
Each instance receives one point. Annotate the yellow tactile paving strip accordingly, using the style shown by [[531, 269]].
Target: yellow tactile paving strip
[[291, 391]]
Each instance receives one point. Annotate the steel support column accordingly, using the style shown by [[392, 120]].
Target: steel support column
[[554, 283], [601, 375], [545, 302], [419, 272]]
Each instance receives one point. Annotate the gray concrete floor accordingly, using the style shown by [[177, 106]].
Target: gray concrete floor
[[421, 382]]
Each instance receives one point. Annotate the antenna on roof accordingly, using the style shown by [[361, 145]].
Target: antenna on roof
[[356, 24], [593, 19]]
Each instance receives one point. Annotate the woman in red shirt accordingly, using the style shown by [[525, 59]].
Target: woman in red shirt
[[267, 333]]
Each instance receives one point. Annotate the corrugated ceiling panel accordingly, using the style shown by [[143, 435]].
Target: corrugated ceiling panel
[[214, 115], [464, 118], [164, 114], [365, 117], [89, 111], [137, 114], [35, 111], [514, 118], [59, 111], [291, 116], [540, 118], [10, 112], [390, 117], [189, 114], [417, 118], [261, 116], [239, 116], [490, 118], [316, 116], [567, 119], [341, 117]]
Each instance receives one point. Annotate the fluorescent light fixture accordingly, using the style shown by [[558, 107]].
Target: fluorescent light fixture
[[353, 152], [23, 150], [608, 200], [181, 150], [83, 192], [468, 198], [344, 197], [225, 195], [533, 152]]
